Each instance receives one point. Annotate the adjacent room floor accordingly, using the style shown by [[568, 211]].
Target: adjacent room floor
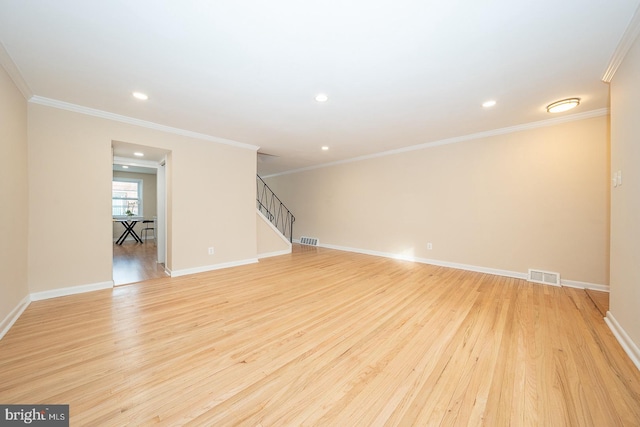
[[135, 262]]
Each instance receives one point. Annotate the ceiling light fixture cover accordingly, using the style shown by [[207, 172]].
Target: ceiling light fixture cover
[[321, 97], [563, 105], [488, 104], [140, 95], [138, 154]]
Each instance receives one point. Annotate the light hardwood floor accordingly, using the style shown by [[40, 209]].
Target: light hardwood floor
[[600, 299], [135, 262], [323, 337]]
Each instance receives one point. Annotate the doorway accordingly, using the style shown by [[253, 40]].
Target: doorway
[[138, 211]]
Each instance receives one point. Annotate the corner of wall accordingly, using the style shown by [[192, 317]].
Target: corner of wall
[[13, 316]]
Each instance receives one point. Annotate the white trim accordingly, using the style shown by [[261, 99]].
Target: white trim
[[14, 72], [274, 228], [475, 268], [625, 43], [584, 285], [205, 268], [277, 253], [478, 269], [136, 122], [454, 140], [72, 290], [128, 239], [138, 162], [467, 267], [624, 339], [11, 318]]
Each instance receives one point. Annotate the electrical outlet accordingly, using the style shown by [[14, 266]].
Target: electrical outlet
[[429, 246], [211, 251]]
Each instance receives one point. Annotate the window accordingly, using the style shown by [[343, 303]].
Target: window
[[126, 196]]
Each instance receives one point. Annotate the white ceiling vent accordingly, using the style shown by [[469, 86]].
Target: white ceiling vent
[[311, 241], [544, 277]]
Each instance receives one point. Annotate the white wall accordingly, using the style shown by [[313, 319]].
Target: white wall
[[13, 195], [625, 199], [211, 196], [270, 241], [536, 198]]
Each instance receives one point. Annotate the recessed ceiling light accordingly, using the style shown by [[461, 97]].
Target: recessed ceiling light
[[138, 154], [563, 105], [488, 104], [140, 95], [325, 148], [321, 97], [125, 167]]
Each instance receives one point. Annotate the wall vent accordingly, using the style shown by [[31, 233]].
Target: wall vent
[[544, 277], [311, 241]]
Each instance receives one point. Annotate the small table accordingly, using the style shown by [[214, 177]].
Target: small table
[[128, 225]]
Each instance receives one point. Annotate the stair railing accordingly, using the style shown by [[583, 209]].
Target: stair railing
[[272, 207]]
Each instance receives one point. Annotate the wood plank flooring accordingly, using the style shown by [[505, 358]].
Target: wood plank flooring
[[135, 262], [600, 299], [327, 338]]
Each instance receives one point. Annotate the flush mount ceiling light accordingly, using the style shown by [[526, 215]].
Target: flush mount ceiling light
[[563, 105], [138, 154], [321, 97], [141, 96], [325, 148], [489, 104]]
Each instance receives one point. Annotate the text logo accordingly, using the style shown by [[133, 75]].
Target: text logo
[[34, 415]]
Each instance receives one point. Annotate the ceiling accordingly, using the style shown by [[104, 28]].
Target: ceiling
[[397, 73], [134, 158]]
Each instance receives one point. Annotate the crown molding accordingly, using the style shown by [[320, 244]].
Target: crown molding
[[137, 162], [625, 43], [54, 103], [454, 140], [14, 72]]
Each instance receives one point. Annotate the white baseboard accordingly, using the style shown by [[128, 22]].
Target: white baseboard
[[128, 239], [8, 321], [475, 268], [11, 318], [72, 290], [274, 228], [277, 253], [203, 269], [584, 285], [467, 267], [624, 339], [277, 233]]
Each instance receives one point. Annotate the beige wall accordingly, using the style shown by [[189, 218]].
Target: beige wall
[[269, 239], [529, 199], [625, 199], [13, 193], [210, 194], [149, 199]]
